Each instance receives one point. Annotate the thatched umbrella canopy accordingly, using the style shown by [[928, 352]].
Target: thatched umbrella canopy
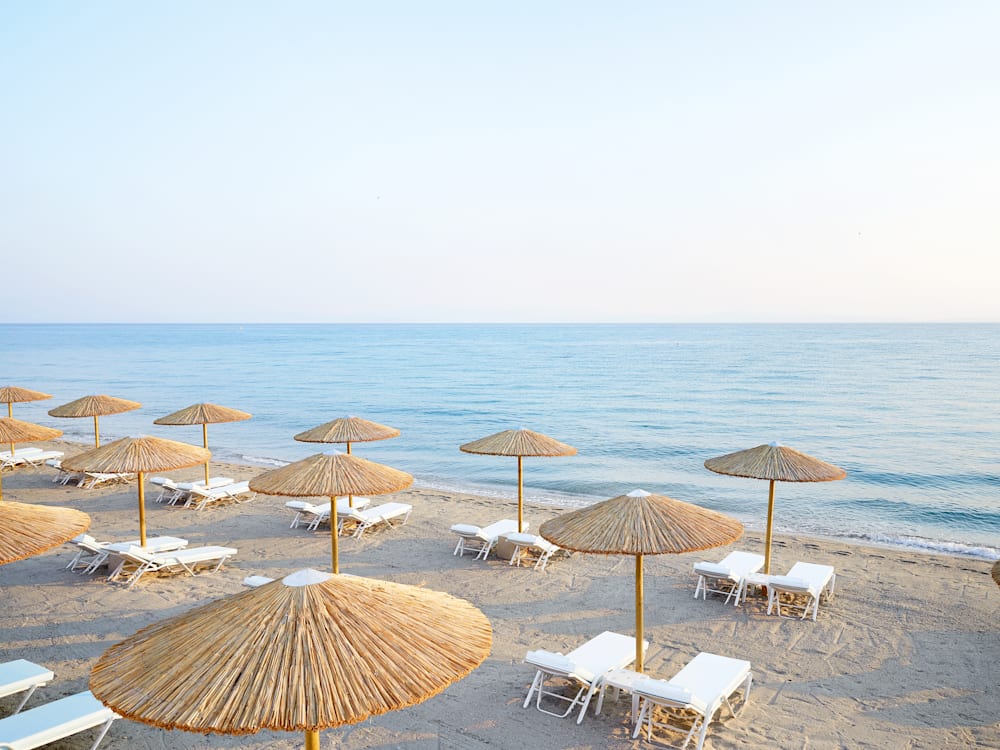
[[137, 455], [15, 431], [348, 430], [518, 443], [204, 414], [27, 530], [331, 475], [94, 406], [995, 572], [301, 654], [12, 394], [775, 463], [641, 524]]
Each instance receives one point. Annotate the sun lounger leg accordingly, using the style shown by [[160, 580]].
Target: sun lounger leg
[[24, 700], [100, 735]]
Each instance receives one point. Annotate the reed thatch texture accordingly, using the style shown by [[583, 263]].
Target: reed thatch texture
[[518, 443], [641, 524], [995, 572], [16, 431], [94, 406], [27, 530], [203, 414], [347, 430], [12, 394], [775, 462], [132, 455], [304, 653], [331, 475]]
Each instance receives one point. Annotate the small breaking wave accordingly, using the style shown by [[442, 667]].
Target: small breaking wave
[[262, 461]]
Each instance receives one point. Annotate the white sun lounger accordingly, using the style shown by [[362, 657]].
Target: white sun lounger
[[311, 516], [481, 539], [20, 675], [584, 666], [20, 457], [706, 684], [200, 497], [37, 459], [91, 479], [531, 545], [187, 560], [807, 580], [53, 721], [728, 576], [367, 517], [63, 476]]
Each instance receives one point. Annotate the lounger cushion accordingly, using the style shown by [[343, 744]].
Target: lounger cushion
[[665, 691], [20, 674], [466, 529], [53, 721], [792, 584], [556, 662], [714, 569]]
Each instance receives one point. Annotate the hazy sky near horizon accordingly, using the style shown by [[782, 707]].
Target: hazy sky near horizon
[[455, 161]]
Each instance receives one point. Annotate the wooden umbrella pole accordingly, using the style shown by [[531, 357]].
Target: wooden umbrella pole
[[10, 409], [767, 540], [638, 614], [520, 494], [348, 447], [142, 512], [97, 434], [335, 552], [312, 740], [204, 436]]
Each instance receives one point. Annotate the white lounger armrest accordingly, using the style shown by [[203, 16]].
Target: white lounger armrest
[[788, 583]]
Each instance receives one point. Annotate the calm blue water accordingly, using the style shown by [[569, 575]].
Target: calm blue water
[[911, 411]]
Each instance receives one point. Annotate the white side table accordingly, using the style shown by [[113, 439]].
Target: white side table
[[757, 580], [621, 679]]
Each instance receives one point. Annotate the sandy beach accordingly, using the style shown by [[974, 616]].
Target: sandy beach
[[904, 656]]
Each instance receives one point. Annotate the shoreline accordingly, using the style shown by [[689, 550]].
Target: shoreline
[[902, 657], [932, 546]]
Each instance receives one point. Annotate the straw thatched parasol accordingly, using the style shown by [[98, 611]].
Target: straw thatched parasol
[[347, 430], [94, 406], [775, 463], [995, 572], [15, 431], [518, 443], [27, 530], [204, 414], [137, 455], [331, 475], [301, 654], [641, 524], [12, 394]]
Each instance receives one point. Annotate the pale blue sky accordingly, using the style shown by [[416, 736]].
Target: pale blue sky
[[542, 161]]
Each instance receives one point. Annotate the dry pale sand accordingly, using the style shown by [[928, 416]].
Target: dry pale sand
[[906, 655]]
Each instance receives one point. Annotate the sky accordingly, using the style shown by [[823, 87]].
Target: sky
[[432, 161]]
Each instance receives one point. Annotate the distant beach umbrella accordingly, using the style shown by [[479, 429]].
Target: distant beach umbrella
[[518, 443], [27, 530], [640, 524], [15, 431], [300, 654], [138, 455], [12, 394], [775, 463], [347, 430], [331, 475], [204, 414], [995, 572], [94, 406]]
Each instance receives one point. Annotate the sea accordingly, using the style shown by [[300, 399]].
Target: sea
[[910, 411]]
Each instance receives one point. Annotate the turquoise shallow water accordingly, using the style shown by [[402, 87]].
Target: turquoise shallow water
[[910, 411]]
